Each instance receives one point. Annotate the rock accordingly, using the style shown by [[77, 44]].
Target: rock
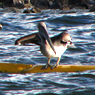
[[26, 11], [92, 9], [35, 10], [44, 3], [56, 5], [32, 10]]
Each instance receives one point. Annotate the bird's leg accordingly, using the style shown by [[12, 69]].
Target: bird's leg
[[47, 65], [57, 63]]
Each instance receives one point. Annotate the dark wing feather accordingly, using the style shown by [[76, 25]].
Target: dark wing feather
[[33, 38]]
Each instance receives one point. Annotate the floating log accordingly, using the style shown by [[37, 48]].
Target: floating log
[[28, 68]]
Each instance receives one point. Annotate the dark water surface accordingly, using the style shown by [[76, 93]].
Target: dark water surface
[[81, 27]]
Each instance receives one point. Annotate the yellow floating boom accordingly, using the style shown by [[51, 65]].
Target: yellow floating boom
[[27, 68]]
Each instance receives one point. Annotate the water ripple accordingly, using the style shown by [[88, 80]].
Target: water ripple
[[81, 27]]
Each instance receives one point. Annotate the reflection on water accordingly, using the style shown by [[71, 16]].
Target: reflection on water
[[81, 27]]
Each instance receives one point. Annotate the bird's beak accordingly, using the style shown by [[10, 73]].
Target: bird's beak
[[43, 32], [71, 45]]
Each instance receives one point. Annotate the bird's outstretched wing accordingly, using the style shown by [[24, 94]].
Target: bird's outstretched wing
[[32, 38]]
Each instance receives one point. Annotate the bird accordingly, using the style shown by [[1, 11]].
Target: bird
[[0, 26], [50, 47]]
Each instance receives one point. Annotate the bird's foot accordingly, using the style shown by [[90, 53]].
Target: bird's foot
[[51, 66], [46, 66], [54, 66]]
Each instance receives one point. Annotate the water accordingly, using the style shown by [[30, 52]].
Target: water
[[81, 27]]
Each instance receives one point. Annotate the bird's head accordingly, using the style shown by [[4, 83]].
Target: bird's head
[[66, 39]]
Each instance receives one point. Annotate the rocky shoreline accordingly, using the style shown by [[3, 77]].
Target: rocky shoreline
[[35, 6]]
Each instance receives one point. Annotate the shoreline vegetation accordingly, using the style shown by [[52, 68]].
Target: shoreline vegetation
[[35, 6]]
